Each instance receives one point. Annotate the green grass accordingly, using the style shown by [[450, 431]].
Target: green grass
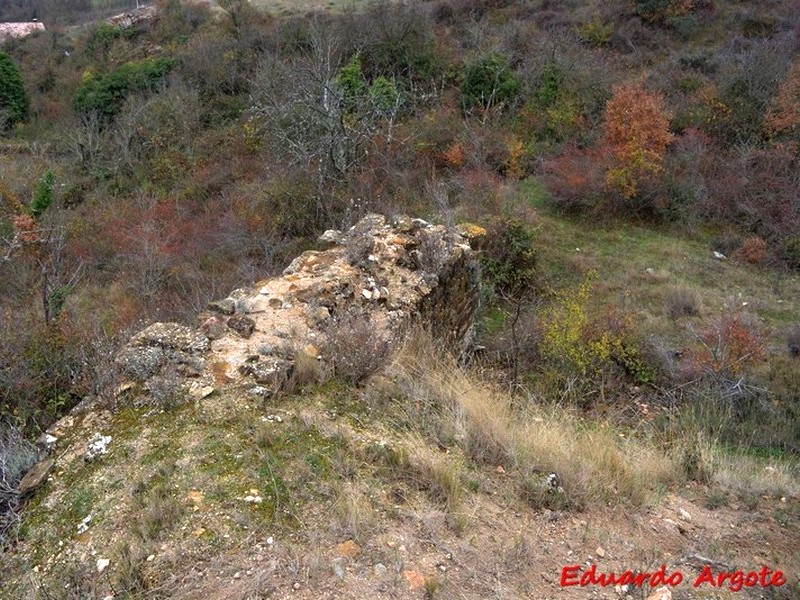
[[620, 254]]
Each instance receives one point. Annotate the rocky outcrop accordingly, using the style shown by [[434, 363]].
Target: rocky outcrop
[[383, 275], [19, 30]]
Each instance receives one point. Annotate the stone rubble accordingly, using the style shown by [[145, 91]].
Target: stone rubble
[[388, 274]]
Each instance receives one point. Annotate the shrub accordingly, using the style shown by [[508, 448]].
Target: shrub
[[665, 11], [17, 456], [488, 82], [14, 101], [575, 179], [353, 347], [793, 340], [596, 32], [681, 302], [791, 252], [105, 93], [43, 194], [783, 116], [729, 347], [509, 256], [753, 251], [636, 134]]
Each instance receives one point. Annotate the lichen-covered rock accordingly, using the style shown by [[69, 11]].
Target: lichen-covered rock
[[171, 336], [386, 274]]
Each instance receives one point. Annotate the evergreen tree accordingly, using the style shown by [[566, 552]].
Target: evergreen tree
[[14, 100]]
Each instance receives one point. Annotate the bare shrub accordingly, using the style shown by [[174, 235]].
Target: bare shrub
[[681, 302], [17, 456], [793, 340], [354, 348], [432, 252]]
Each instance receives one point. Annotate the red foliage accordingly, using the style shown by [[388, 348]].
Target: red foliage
[[753, 251], [729, 347], [26, 229], [576, 178]]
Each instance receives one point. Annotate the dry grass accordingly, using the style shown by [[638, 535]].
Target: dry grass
[[594, 464], [757, 477]]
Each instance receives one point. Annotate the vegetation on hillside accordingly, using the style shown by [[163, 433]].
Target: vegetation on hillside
[[160, 166]]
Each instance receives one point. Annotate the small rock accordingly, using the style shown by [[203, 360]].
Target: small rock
[[275, 303], [318, 316], [311, 350], [296, 586], [338, 568], [380, 569], [332, 236], [414, 579], [102, 564], [662, 593], [601, 553], [98, 446], [718, 256], [684, 515], [151, 558], [237, 575], [214, 328], [83, 526], [244, 326], [223, 307], [35, 477], [348, 549]]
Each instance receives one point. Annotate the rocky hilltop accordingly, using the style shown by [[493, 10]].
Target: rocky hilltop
[[332, 310]]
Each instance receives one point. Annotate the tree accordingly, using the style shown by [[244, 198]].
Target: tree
[[636, 135], [488, 82], [14, 101]]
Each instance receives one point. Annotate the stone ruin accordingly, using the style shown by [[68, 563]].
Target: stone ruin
[[385, 275]]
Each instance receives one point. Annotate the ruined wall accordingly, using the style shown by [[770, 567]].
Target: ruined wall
[[378, 277]]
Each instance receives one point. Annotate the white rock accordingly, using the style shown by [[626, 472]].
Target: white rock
[[83, 526], [719, 255], [102, 564], [98, 446]]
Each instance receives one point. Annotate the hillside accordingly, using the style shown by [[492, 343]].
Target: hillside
[[399, 299]]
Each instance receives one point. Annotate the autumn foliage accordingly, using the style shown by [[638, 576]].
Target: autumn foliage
[[636, 135], [729, 347], [783, 116]]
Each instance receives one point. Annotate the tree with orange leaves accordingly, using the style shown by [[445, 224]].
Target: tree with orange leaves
[[636, 136]]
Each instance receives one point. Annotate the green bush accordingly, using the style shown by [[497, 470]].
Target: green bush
[[102, 36], [43, 194], [105, 93], [14, 101], [509, 256], [488, 81]]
